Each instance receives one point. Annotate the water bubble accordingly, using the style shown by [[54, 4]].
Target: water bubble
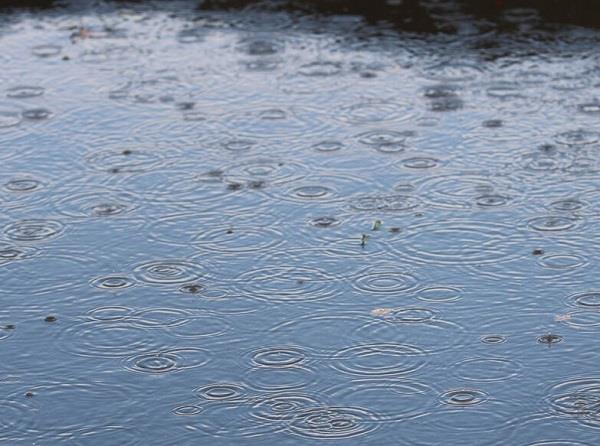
[[312, 192], [493, 339], [463, 397], [328, 146], [168, 272], [222, 392], [153, 363], [33, 230], [239, 145], [420, 163], [324, 222], [113, 282], [24, 92], [37, 114]]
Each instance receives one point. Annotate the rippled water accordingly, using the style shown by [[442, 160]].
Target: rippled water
[[265, 226]]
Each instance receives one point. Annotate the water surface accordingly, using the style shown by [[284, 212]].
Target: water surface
[[266, 226]]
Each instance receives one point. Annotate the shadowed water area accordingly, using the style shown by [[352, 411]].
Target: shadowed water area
[[285, 223]]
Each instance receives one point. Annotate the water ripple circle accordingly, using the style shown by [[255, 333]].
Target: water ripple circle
[[378, 360]]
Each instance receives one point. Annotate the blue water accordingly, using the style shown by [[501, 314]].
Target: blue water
[[262, 227]]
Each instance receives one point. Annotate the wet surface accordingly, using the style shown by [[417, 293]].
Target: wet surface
[[247, 224]]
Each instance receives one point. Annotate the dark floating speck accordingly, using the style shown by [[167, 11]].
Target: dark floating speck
[[491, 200], [234, 186], [537, 252], [493, 123], [50, 319], [549, 339], [191, 288], [256, 184]]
